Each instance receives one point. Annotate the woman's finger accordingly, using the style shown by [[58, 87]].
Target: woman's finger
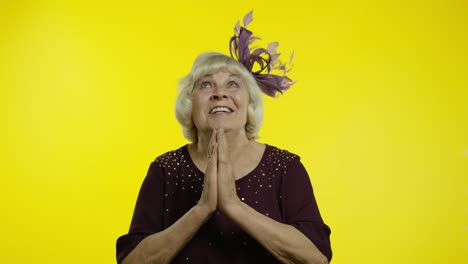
[[212, 169], [222, 148], [209, 194], [211, 144], [213, 160]]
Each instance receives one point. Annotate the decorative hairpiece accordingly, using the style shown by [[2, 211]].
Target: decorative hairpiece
[[267, 59]]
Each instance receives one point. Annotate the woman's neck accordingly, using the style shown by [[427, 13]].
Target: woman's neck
[[236, 141]]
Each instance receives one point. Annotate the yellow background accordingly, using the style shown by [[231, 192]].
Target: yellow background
[[379, 116]]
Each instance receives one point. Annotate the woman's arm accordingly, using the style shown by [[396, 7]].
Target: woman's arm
[[163, 246], [283, 241]]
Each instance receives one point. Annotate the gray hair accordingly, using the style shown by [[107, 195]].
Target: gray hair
[[208, 63]]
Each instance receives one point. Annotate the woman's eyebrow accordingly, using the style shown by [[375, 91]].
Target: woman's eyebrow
[[206, 76]]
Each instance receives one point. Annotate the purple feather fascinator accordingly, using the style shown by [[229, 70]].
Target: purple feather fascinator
[[260, 61]]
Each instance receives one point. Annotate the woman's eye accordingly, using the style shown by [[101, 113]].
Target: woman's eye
[[233, 84], [205, 84]]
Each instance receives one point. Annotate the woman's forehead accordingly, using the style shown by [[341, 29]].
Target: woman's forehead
[[223, 71]]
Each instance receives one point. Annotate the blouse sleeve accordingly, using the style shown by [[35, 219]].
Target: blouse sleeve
[[147, 217], [300, 208]]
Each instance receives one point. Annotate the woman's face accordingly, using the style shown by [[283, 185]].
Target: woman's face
[[220, 100]]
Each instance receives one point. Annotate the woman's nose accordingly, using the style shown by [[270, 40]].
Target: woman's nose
[[218, 94]]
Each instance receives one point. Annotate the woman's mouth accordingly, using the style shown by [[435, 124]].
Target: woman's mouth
[[220, 109]]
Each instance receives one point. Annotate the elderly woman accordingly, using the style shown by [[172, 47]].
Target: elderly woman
[[225, 198]]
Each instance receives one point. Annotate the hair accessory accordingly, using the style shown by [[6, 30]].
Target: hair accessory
[[267, 59]]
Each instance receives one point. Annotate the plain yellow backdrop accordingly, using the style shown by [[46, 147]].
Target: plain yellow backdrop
[[379, 116]]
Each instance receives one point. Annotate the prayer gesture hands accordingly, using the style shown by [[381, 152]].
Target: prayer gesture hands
[[219, 188]]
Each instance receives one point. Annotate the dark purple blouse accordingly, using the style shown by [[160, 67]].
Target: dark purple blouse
[[278, 187]]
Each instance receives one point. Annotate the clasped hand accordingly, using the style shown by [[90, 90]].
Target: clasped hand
[[219, 188]]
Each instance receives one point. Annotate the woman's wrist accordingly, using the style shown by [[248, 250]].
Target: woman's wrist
[[203, 211], [232, 206]]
